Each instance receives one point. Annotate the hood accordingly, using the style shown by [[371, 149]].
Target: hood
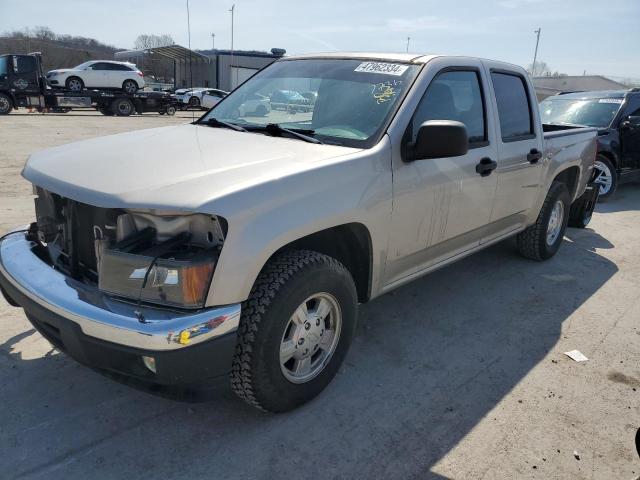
[[172, 168], [60, 70]]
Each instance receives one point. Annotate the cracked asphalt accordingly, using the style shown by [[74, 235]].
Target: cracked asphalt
[[458, 375]]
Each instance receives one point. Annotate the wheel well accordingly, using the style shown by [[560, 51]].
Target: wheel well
[[570, 178], [611, 157], [350, 244]]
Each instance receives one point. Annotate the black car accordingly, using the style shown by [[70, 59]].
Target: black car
[[616, 113]]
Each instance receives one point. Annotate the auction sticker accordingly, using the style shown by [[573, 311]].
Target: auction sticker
[[395, 69], [610, 100]]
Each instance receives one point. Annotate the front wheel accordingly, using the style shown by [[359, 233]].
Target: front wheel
[[194, 102], [295, 330], [606, 177], [542, 240], [6, 105], [74, 84]]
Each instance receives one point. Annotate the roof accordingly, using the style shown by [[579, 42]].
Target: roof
[[591, 95], [576, 83], [174, 52], [385, 57]]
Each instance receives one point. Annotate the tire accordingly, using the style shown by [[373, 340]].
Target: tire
[[130, 86], [122, 107], [171, 110], [105, 111], [194, 102], [74, 84], [261, 111], [259, 376], [582, 209], [6, 105], [608, 177], [536, 242]]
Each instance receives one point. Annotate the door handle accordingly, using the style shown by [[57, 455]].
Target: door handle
[[534, 155], [486, 166]]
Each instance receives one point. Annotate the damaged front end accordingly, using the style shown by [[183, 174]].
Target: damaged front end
[[155, 257]]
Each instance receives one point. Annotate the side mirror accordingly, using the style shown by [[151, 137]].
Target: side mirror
[[634, 121], [439, 139]]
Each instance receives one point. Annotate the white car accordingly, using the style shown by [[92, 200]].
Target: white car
[[255, 105], [192, 97], [98, 74], [210, 98]]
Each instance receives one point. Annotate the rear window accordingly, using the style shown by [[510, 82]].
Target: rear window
[[514, 108]]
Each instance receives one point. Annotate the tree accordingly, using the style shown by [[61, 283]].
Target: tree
[[144, 41], [541, 70]]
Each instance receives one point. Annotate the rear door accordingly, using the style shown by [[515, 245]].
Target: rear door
[[519, 143], [442, 206]]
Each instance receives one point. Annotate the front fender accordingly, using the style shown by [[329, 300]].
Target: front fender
[[265, 218]]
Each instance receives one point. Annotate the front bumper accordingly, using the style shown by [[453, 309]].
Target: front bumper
[[104, 332]]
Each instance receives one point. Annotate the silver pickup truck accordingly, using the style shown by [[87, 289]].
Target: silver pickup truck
[[241, 244]]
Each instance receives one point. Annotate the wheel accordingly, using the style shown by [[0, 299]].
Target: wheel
[[122, 107], [6, 105], [542, 240], [130, 86], [607, 177], [105, 111], [261, 111], [194, 102], [294, 331], [170, 110], [74, 84], [582, 209]]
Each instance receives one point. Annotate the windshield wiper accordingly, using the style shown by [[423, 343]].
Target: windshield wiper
[[214, 122], [276, 129]]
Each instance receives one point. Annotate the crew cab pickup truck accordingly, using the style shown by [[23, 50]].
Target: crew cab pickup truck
[[241, 244]]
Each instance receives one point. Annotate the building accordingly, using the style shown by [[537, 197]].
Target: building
[[547, 86], [181, 67]]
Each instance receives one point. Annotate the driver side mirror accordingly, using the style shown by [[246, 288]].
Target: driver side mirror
[[439, 139], [630, 122]]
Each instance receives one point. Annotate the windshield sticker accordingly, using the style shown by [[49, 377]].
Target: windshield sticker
[[394, 69], [611, 100], [385, 91]]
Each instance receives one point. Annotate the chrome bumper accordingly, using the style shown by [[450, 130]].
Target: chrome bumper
[[102, 316]]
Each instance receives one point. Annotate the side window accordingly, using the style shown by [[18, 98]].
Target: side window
[[99, 66], [514, 107], [3, 66], [117, 66], [25, 65], [454, 95]]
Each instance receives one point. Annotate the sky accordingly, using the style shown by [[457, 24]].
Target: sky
[[599, 37]]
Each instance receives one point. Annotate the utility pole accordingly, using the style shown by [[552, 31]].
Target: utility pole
[[233, 7], [213, 41], [408, 40], [535, 55]]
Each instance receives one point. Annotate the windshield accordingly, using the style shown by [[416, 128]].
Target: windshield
[[343, 102], [82, 66], [592, 112]]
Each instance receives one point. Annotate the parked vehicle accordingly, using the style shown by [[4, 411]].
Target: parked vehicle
[[192, 97], [211, 97], [98, 74], [242, 246], [22, 84], [616, 115], [289, 100], [254, 104]]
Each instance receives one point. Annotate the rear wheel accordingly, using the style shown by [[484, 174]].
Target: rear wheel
[[261, 111], [74, 84], [130, 86], [295, 330], [194, 102], [542, 240], [606, 177], [171, 110], [122, 107], [6, 105]]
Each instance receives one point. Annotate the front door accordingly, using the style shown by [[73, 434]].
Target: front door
[[25, 74], [441, 206], [630, 139]]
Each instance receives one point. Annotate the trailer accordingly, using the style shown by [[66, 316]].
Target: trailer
[[23, 85]]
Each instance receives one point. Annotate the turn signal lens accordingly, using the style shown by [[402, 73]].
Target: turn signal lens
[[195, 282]]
